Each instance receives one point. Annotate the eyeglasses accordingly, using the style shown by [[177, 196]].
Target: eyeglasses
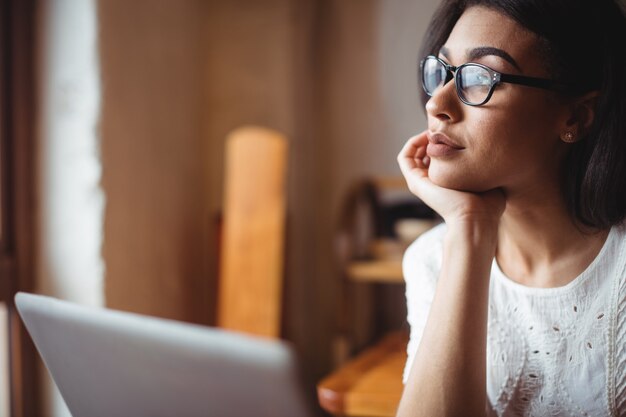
[[474, 82]]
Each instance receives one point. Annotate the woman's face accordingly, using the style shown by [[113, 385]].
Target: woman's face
[[511, 142]]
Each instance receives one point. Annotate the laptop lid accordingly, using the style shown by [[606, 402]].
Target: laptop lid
[[110, 363]]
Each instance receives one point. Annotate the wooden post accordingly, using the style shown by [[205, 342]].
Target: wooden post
[[252, 255]]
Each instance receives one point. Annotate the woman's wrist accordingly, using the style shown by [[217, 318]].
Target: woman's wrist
[[475, 234]]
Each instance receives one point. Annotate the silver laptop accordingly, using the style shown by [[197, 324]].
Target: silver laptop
[[113, 364]]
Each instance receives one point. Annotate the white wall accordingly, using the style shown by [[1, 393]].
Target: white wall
[[69, 196]]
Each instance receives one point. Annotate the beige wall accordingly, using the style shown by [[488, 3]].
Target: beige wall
[[178, 76], [153, 154]]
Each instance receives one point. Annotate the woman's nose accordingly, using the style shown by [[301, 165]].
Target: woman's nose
[[444, 103]]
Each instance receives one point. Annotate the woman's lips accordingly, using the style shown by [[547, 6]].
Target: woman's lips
[[441, 145]]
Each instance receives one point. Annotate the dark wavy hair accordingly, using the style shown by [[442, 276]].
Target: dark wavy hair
[[581, 42]]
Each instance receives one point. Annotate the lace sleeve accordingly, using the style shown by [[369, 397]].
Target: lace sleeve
[[420, 265]]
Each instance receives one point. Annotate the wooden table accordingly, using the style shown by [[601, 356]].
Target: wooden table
[[378, 270], [370, 384]]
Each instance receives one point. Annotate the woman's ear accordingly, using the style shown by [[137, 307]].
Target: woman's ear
[[582, 112]]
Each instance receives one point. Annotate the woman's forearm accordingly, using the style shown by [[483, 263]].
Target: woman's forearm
[[448, 375]]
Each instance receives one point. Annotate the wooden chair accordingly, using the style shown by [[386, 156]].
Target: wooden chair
[[253, 232], [370, 384]]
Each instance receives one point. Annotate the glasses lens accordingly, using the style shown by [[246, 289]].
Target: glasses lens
[[473, 83], [433, 75]]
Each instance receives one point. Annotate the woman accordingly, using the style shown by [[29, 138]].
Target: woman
[[517, 303]]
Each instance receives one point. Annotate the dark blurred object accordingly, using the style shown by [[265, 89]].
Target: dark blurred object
[[378, 219]]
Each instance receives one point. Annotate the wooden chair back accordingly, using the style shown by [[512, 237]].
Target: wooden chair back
[[253, 232]]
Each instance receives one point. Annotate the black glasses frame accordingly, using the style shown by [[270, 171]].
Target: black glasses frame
[[495, 77]]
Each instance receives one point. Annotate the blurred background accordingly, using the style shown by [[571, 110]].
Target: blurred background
[[113, 120]]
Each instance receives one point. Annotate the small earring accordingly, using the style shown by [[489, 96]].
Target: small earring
[[568, 137]]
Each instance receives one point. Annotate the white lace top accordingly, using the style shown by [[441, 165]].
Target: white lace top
[[550, 351]]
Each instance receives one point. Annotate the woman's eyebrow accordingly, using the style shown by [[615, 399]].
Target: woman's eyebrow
[[445, 52], [481, 51]]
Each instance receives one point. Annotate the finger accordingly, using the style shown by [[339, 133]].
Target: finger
[[421, 162], [411, 147], [412, 154]]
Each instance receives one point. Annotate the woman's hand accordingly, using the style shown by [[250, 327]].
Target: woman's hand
[[452, 205], [448, 375]]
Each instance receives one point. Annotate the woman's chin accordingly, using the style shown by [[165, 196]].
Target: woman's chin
[[456, 179]]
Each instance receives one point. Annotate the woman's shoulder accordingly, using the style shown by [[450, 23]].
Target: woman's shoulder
[[618, 261], [424, 254], [619, 333], [428, 238], [620, 232], [617, 251]]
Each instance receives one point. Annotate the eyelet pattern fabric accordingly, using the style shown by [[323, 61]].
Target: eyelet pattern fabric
[[550, 351]]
